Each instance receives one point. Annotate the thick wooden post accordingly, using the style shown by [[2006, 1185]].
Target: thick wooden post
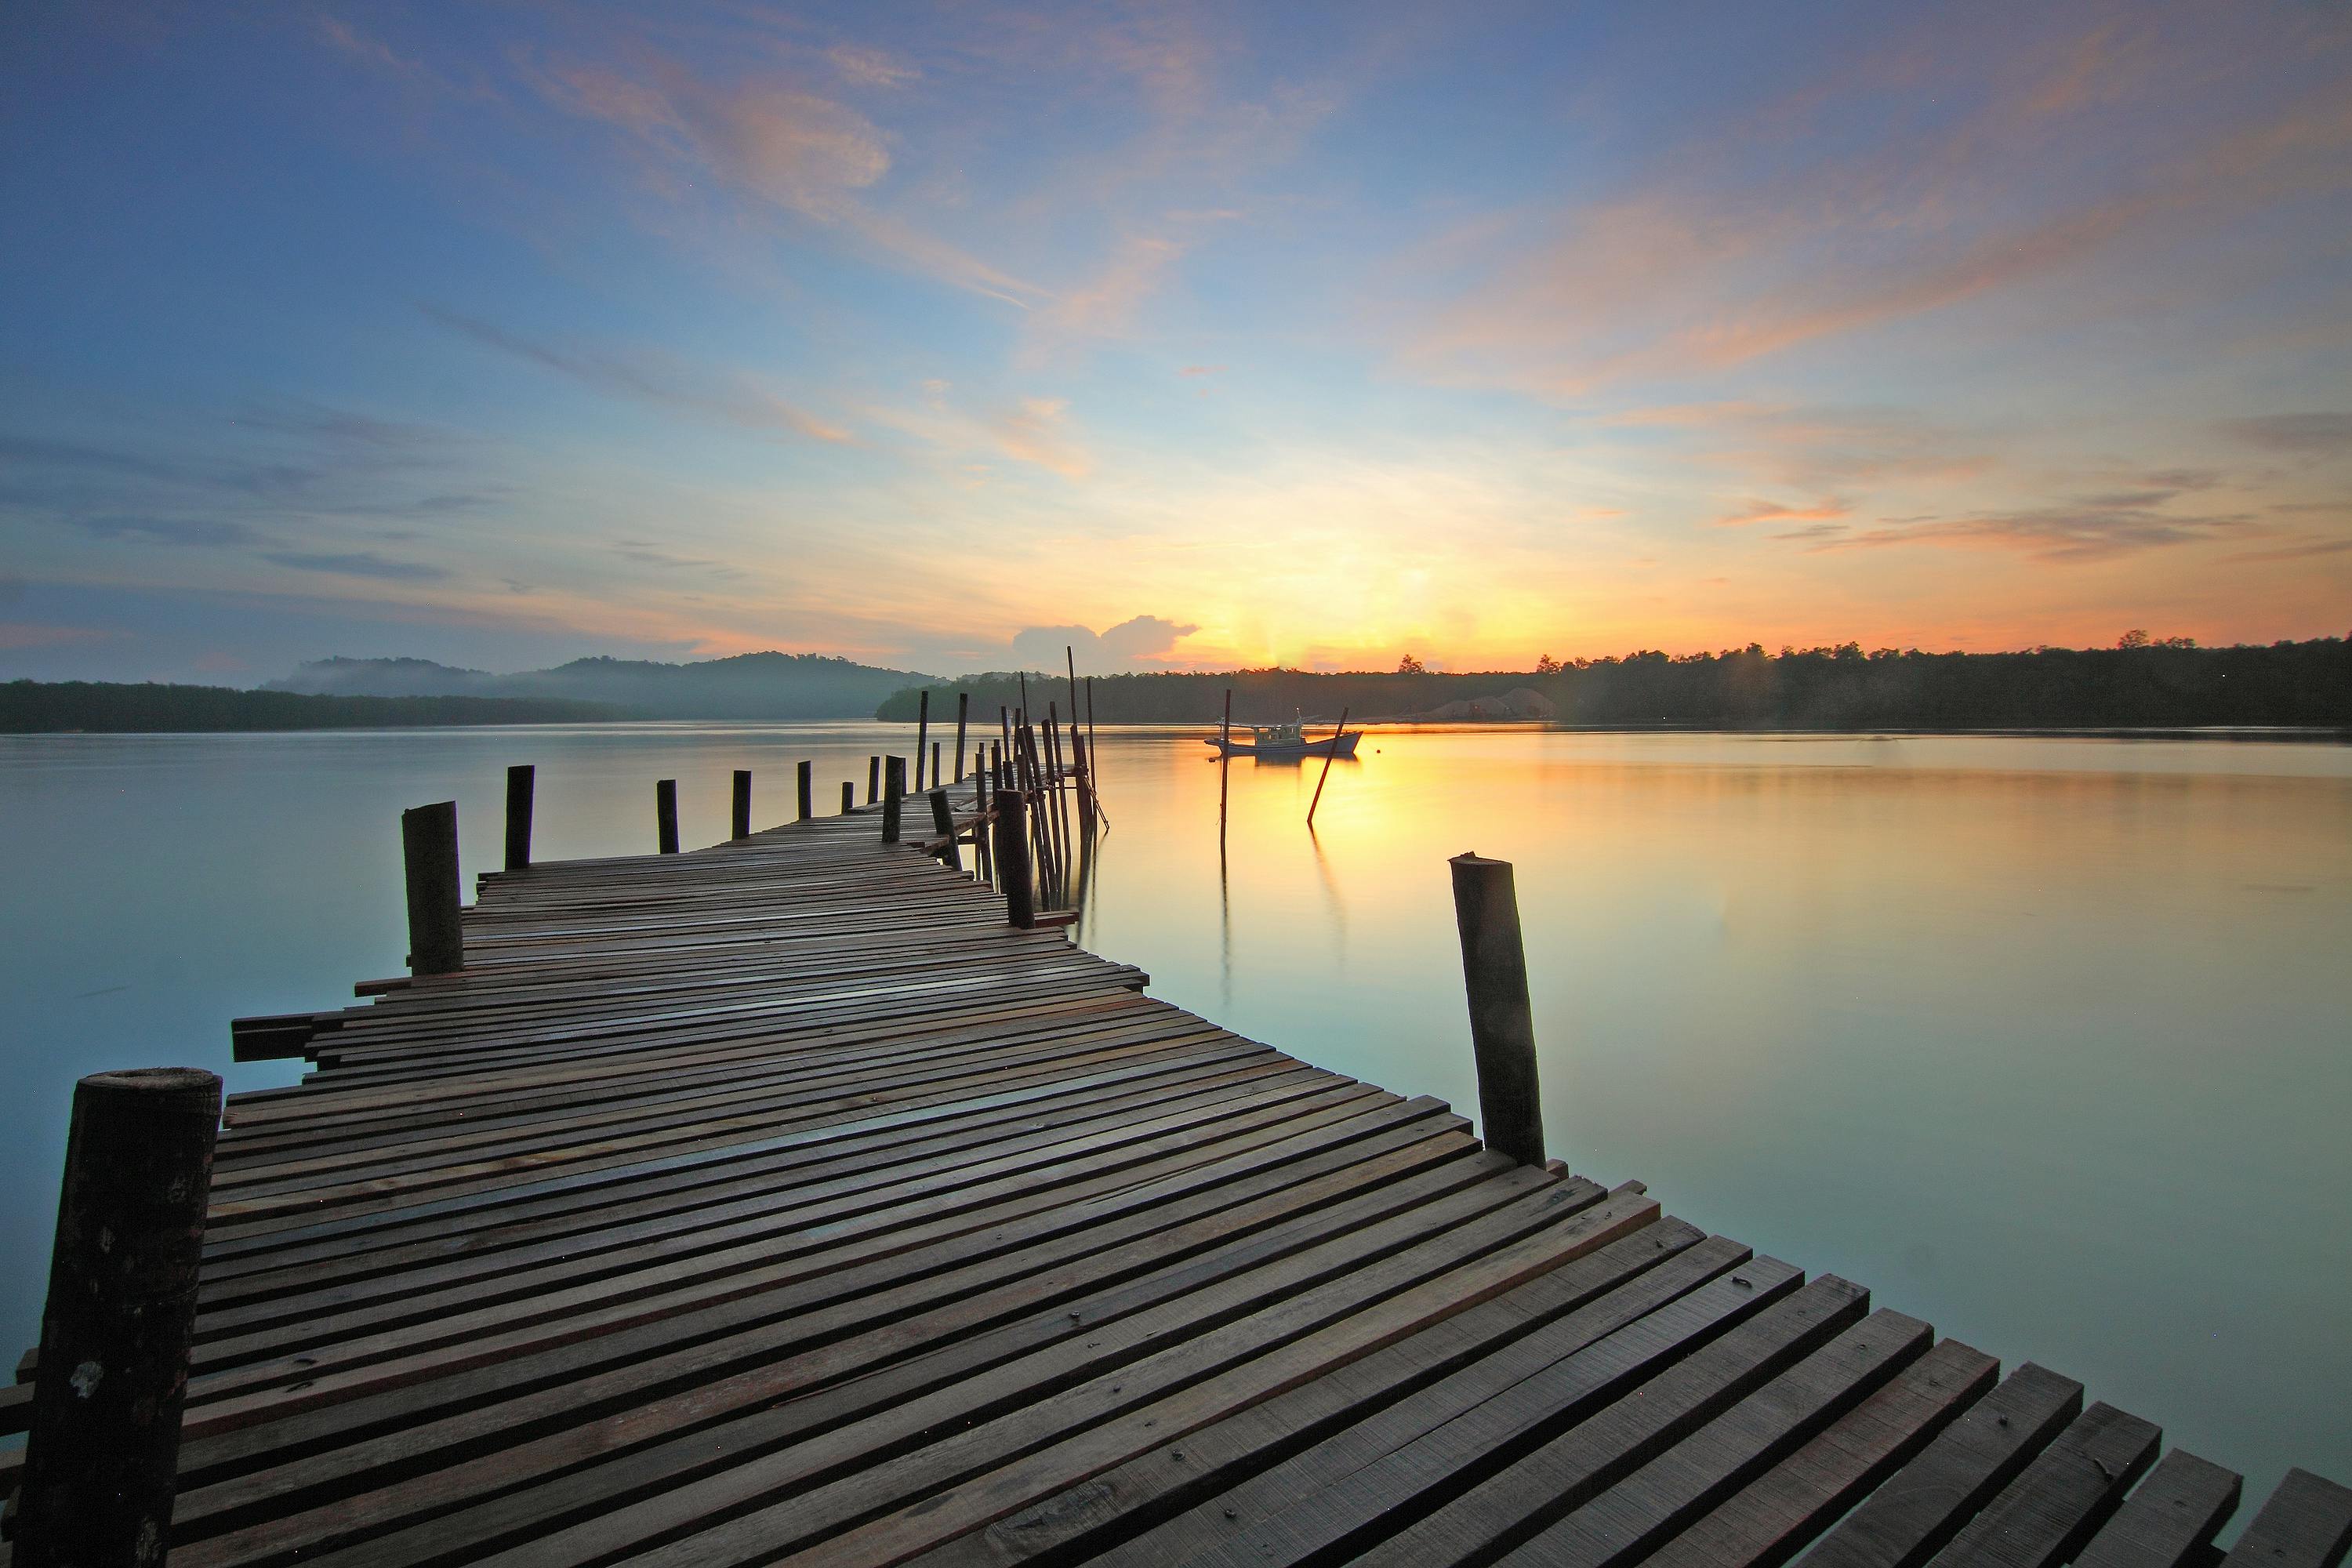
[[666, 816], [1012, 846], [943, 819], [807, 786], [740, 816], [428, 845], [103, 1454], [873, 780], [894, 795], [1502, 1023], [848, 796], [922, 734], [938, 778], [520, 780], [963, 712]]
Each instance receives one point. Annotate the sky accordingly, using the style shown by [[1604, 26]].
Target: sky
[[1201, 336]]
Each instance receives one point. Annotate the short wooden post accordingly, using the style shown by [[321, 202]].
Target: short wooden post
[[428, 845], [740, 816], [666, 816], [1502, 1023], [807, 788], [938, 778], [922, 734], [894, 795], [103, 1454], [963, 712], [943, 819], [1012, 848], [520, 781], [848, 796], [873, 780], [979, 834]]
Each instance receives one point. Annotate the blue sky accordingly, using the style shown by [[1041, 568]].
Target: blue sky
[[508, 332]]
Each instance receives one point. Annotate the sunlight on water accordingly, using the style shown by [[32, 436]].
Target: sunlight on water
[[2045, 1039]]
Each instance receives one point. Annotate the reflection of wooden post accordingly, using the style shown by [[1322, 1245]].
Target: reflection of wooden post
[[429, 847], [1326, 767], [894, 791], [922, 735], [806, 785], [666, 816], [1502, 1023], [1224, 764], [740, 816], [112, 1369], [1012, 836], [943, 819], [520, 780], [963, 712]]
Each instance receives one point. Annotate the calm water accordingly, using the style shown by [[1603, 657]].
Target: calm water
[[2049, 1040]]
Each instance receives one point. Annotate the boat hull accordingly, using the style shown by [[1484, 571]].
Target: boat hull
[[1290, 750]]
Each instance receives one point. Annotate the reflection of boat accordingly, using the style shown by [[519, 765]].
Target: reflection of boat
[[1282, 741]]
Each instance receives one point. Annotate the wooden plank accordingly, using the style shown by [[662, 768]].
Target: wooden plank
[[2169, 1519], [2307, 1523], [1910, 1518], [2057, 1502], [1770, 1520], [1508, 1506], [1642, 1509], [1447, 1366]]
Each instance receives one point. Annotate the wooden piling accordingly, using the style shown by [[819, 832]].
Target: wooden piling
[[980, 855], [848, 796], [112, 1369], [1502, 1022], [740, 816], [805, 786], [1082, 768], [521, 780], [666, 816], [963, 712], [1326, 773], [922, 734], [938, 778], [894, 795], [1011, 833], [1225, 766], [873, 780], [428, 845], [944, 820]]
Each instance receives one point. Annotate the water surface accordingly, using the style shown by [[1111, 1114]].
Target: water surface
[[2045, 1039]]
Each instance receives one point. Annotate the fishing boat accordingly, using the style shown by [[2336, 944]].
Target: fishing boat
[[1281, 740]]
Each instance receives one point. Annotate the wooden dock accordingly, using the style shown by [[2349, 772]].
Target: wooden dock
[[777, 1202]]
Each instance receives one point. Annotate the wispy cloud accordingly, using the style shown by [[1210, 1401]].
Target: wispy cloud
[[738, 398], [2065, 534], [1036, 430], [357, 563], [189, 531], [2303, 434], [1775, 511]]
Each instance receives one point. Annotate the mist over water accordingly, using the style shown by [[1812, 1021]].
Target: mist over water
[[2043, 1039]]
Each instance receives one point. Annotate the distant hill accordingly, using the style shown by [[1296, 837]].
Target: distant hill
[[748, 686], [33, 707]]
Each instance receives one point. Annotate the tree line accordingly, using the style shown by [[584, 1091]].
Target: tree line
[[31, 707], [2143, 683]]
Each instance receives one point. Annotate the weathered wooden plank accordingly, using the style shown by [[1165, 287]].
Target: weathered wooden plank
[[2057, 1501], [1768, 1521], [1636, 1514], [1925, 1504], [2307, 1523], [2169, 1518]]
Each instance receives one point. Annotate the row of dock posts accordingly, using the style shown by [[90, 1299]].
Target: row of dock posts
[[110, 1373]]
